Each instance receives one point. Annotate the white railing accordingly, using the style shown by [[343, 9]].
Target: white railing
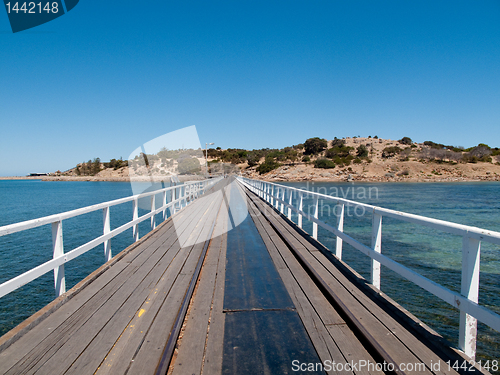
[[181, 196], [466, 302]]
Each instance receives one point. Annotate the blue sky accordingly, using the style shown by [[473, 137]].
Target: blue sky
[[112, 75]]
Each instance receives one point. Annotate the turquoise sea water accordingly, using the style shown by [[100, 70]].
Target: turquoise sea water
[[431, 253]]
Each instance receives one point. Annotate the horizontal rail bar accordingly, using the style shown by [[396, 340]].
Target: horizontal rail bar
[[29, 224], [445, 226], [48, 266]]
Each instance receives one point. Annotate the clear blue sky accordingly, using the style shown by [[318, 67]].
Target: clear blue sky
[[111, 75]]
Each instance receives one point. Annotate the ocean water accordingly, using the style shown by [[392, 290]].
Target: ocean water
[[431, 253]]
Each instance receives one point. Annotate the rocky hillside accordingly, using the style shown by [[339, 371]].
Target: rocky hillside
[[347, 159], [371, 159]]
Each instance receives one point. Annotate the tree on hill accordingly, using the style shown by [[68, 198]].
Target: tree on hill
[[362, 151], [96, 166], [405, 141], [315, 145], [268, 165]]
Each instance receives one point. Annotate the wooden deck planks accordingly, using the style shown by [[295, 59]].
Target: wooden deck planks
[[122, 343], [212, 360], [59, 316], [192, 346], [386, 327], [314, 309], [150, 352], [387, 338], [109, 318]]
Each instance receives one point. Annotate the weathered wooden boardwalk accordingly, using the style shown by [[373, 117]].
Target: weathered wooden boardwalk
[[226, 286]]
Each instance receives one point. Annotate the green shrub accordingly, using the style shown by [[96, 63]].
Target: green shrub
[[268, 165], [434, 145], [96, 166], [116, 164], [357, 161], [338, 142], [315, 145], [362, 151], [405, 141], [252, 160], [390, 151], [341, 151], [306, 159], [324, 163], [467, 158]]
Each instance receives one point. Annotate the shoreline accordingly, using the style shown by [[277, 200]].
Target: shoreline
[[97, 178], [267, 179]]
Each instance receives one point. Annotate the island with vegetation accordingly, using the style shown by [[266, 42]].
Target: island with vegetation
[[317, 159]]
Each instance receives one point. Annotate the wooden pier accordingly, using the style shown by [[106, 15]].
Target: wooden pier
[[244, 292]]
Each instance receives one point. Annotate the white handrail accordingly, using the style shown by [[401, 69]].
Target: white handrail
[[182, 195], [466, 301]]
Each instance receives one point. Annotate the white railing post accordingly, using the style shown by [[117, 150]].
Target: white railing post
[[290, 203], [58, 251], [315, 225], [106, 229], [376, 246], [340, 228], [301, 200], [268, 190], [182, 196], [282, 200], [163, 204], [173, 196], [135, 228], [471, 249], [272, 195], [153, 221]]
